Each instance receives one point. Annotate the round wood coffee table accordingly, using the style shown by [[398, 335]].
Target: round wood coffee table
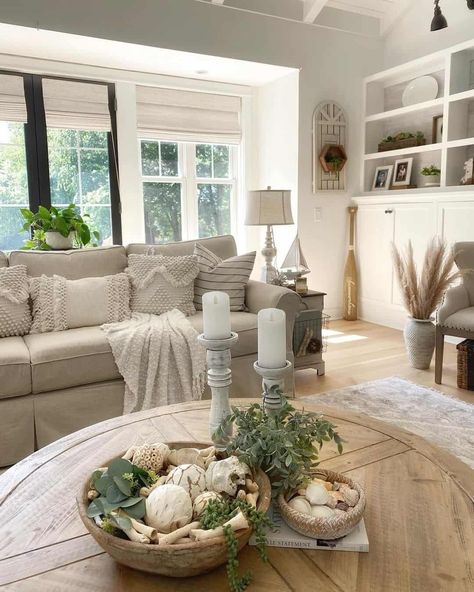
[[419, 517]]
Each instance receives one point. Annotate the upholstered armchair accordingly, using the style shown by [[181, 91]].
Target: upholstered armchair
[[456, 314]]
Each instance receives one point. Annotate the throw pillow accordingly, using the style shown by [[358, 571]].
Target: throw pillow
[[161, 283], [60, 304], [15, 315], [228, 275]]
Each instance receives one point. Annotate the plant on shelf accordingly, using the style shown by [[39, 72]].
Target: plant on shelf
[[285, 445], [432, 174], [402, 140], [57, 228], [422, 293]]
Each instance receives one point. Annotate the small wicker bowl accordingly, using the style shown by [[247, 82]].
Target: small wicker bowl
[[178, 561], [319, 528]]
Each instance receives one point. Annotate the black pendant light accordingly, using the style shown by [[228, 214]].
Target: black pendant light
[[439, 21], [470, 4]]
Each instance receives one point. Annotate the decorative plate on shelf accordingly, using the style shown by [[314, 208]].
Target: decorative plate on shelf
[[420, 90]]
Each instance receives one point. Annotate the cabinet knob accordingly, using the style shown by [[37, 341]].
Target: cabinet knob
[[389, 211]]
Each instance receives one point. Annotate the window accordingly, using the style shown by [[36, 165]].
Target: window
[[13, 184], [188, 189], [56, 149], [79, 174]]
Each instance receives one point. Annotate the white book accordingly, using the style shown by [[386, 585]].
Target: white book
[[284, 536]]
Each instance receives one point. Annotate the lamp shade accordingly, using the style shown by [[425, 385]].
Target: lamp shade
[[269, 207]]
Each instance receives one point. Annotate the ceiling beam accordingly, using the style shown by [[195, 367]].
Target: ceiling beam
[[311, 9]]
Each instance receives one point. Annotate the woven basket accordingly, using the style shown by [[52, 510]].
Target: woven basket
[[466, 364], [329, 528]]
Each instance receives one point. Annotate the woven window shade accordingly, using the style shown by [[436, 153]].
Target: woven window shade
[[188, 116], [76, 105], [12, 99]]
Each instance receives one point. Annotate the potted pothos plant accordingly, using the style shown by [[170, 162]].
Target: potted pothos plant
[[58, 229], [432, 174]]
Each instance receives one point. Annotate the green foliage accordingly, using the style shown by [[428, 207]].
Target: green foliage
[[217, 513], [431, 170], [119, 488], [285, 445], [403, 136], [62, 220]]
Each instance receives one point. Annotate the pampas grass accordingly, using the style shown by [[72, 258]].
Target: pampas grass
[[422, 293]]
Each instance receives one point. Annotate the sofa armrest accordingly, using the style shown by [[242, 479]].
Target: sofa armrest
[[456, 298], [259, 295]]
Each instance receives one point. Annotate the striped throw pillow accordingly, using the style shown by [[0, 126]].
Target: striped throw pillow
[[230, 276]]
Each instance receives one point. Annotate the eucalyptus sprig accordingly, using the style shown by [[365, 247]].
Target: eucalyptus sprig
[[286, 445], [217, 513]]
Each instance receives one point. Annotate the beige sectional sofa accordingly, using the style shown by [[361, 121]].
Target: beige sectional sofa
[[52, 384]]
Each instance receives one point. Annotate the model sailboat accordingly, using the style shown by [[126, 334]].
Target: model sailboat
[[294, 265]]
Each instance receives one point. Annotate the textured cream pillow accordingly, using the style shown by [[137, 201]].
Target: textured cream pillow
[[60, 304], [161, 283], [229, 275], [15, 315]]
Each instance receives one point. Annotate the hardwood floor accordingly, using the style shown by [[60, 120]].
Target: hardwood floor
[[359, 352]]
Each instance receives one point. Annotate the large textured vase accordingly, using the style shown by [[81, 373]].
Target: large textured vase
[[420, 336]]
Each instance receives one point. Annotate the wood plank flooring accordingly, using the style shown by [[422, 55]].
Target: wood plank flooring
[[360, 352]]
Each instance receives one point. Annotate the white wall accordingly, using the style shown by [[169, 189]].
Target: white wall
[[332, 65], [411, 37]]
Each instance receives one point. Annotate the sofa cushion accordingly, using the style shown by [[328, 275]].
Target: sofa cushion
[[60, 304], [462, 319], [15, 372], [223, 246], [70, 358], [243, 323], [15, 314], [74, 264]]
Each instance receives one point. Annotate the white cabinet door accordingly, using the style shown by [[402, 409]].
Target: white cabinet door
[[374, 236], [415, 222], [456, 221]]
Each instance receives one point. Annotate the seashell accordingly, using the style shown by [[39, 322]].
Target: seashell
[[92, 494], [150, 457], [302, 491], [338, 513], [322, 512], [351, 496], [336, 486], [300, 504], [326, 484], [201, 502], [337, 495], [316, 494], [342, 506], [186, 456], [332, 502], [190, 477], [226, 476]]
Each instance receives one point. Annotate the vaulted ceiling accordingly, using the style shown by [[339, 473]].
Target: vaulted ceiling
[[387, 12]]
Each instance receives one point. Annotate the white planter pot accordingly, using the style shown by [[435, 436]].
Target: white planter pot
[[58, 242], [420, 336], [432, 181]]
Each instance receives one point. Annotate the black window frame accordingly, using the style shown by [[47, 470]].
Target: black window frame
[[36, 146]]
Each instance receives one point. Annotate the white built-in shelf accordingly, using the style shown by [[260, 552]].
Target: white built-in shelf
[[405, 110], [385, 116], [402, 152]]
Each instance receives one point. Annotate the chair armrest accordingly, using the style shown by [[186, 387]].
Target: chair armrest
[[259, 295], [456, 298]]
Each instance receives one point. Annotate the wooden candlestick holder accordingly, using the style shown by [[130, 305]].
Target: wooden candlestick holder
[[272, 401]]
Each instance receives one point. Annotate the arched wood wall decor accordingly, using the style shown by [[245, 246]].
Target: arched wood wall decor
[[329, 127]]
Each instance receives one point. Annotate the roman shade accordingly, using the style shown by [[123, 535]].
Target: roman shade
[[188, 116], [12, 99], [76, 105]]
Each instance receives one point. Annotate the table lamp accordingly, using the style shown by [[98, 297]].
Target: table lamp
[[269, 207]]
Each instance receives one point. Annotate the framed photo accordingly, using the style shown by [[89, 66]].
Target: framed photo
[[437, 135], [382, 177], [402, 172]]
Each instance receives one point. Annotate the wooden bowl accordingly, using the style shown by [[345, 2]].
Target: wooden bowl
[[178, 561], [329, 528]]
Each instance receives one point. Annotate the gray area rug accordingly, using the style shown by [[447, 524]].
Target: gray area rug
[[435, 416]]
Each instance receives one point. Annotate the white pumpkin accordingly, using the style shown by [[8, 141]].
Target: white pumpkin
[[201, 502], [226, 476], [191, 478], [167, 508]]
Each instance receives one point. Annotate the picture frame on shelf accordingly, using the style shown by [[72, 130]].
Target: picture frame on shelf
[[437, 133], [402, 172], [382, 177]]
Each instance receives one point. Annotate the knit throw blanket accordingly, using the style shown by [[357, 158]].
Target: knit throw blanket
[[159, 358]]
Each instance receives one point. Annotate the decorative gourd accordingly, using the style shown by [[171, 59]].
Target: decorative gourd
[[167, 508]]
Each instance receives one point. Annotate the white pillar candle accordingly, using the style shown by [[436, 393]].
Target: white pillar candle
[[216, 315], [271, 338]]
